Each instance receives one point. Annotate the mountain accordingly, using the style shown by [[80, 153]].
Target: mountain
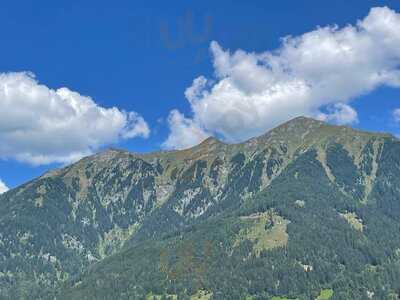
[[305, 211]]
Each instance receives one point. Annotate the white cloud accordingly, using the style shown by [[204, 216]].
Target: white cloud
[[340, 114], [3, 187], [324, 69], [40, 125], [186, 132], [396, 115]]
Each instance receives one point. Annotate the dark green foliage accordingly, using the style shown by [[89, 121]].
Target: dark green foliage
[[345, 171], [387, 193]]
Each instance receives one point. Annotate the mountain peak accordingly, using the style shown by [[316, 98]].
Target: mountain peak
[[303, 122], [293, 130], [209, 141], [114, 150], [207, 146]]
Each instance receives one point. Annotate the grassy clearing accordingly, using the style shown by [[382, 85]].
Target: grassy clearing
[[152, 296], [326, 294], [267, 231], [354, 221]]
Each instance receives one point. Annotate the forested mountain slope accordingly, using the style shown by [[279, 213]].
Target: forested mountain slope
[[306, 209]]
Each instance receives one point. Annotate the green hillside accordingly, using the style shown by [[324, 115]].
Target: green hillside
[[306, 211]]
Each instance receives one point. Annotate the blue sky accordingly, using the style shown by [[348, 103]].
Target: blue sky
[[141, 57]]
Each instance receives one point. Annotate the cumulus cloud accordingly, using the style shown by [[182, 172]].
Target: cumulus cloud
[[186, 132], [340, 114], [3, 187], [40, 125], [396, 115], [316, 74]]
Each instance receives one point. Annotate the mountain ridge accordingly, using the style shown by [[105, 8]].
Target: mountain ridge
[[300, 120], [211, 141], [59, 225]]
